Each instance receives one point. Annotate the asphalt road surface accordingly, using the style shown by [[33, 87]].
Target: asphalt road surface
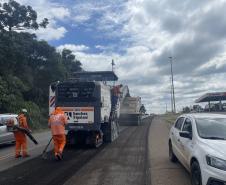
[[138, 157], [123, 162], [7, 152]]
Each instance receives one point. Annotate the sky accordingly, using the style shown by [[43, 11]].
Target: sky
[[141, 35]]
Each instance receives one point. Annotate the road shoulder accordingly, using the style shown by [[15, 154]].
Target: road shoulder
[[162, 170]]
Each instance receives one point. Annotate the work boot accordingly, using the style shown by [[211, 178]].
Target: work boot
[[26, 155], [18, 156], [59, 156]]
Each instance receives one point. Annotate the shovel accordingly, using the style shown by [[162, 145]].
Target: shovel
[[44, 153]]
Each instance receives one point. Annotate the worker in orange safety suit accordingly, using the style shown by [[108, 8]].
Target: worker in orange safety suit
[[20, 137], [116, 94], [117, 90], [57, 122]]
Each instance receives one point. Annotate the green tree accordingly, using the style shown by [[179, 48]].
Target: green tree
[[71, 63], [28, 65], [14, 16]]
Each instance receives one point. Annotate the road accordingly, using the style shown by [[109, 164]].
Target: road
[[123, 162], [7, 152], [139, 156]]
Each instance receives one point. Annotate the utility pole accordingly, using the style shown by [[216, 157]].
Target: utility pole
[[112, 64], [171, 94], [172, 84], [112, 68]]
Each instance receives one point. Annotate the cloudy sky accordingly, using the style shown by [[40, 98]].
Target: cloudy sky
[[140, 35]]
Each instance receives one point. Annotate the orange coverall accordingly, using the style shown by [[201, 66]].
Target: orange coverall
[[57, 122], [116, 90], [21, 140]]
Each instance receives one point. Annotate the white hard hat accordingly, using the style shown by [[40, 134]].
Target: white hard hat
[[23, 110]]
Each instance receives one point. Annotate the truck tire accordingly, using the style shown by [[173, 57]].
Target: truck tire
[[98, 140]]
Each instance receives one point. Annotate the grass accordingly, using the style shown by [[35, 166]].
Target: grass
[[170, 118]]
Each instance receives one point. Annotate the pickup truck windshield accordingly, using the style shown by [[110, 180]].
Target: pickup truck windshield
[[211, 128], [76, 92]]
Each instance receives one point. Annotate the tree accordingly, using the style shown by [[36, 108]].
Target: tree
[[28, 67], [71, 63], [186, 109], [14, 16]]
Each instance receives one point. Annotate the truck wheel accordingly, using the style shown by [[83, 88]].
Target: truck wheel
[[172, 156], [98, 141], [196, 178]]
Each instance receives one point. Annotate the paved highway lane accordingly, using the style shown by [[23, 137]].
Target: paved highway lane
[[139, 156], [122, 162], [164, 172], [7, 153]]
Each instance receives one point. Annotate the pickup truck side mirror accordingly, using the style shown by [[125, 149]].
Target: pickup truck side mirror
[[186, 134]]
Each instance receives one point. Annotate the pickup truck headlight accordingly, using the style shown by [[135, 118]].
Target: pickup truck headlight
[[216, 162]]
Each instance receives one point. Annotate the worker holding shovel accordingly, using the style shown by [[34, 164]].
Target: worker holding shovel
[[57, 122]]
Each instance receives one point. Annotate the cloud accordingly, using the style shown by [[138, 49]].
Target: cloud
[[55, 12], [56, 33], [193, 32], [73, 47], [90, 62], [141, 35]]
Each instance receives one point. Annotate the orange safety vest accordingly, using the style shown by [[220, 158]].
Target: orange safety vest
[[22, 121], [57, 123], [116, 90], [23, 124]]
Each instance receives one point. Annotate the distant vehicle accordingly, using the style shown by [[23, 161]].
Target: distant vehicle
[[5, 135], [224, 106], [213, 107], [198, 141], [130, 113], [197, 108]]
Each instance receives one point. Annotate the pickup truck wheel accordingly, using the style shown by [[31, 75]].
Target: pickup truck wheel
[[172, 156], [196, 178]]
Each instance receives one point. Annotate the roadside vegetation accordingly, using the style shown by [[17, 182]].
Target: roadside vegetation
[[28, 65], [170, 118]]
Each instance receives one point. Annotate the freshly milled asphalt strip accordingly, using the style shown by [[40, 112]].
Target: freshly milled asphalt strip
[[123, 162]]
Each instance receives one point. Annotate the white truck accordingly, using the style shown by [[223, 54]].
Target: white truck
[[130, 111], [87, 102]]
